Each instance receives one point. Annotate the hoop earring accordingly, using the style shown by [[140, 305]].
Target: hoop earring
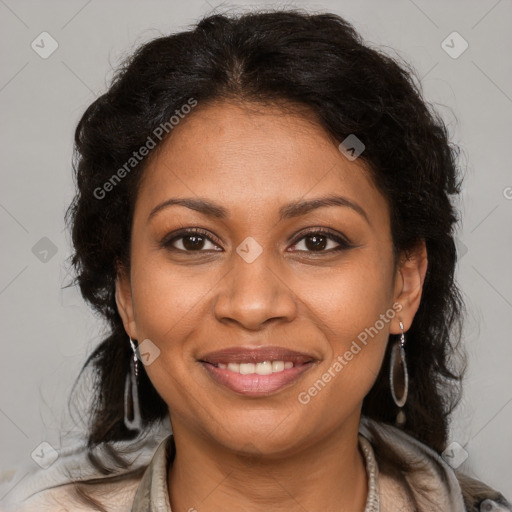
[[398, 376], [132, 417]]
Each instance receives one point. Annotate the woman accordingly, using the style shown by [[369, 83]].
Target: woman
[[264, 218]]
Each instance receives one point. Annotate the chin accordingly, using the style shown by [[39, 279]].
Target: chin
[[278, 433]]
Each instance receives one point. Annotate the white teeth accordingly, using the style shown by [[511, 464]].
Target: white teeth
[[247, 368], [263, 368], [277, 366]]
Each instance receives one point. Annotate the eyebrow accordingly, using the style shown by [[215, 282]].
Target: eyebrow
[[288, 211]]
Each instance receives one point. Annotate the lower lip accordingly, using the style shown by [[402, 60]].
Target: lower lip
[[254, 384]]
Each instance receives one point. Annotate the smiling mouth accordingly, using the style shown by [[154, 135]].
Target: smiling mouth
[[259, 368], [256, 384], [256, 372]]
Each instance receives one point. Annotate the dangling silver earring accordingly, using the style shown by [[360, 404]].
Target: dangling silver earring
[[398, 376], [132, 417]]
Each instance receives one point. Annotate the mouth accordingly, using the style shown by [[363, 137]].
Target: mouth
[[256, 372]]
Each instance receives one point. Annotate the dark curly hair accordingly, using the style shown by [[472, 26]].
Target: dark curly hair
[[316, 61]]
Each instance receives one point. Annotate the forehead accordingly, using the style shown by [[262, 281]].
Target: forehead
[[253, 157]]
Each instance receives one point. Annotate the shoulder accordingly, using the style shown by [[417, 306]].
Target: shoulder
[[479, 497], [417, 465], [74, 481], [81, 497]]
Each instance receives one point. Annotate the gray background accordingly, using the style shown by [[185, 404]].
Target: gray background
[[48, 331]]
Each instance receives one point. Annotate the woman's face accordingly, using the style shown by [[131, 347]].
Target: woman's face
[[259, 283]]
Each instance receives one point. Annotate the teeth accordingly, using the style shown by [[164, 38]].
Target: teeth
[[247, 368], [277, 366], [263, 368]]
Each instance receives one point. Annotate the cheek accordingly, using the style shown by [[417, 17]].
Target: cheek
[[171, 303], [168, 298], [166, 306], [354, 309], [352, 296]]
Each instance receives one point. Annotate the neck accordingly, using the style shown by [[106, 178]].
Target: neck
[[328, 475]]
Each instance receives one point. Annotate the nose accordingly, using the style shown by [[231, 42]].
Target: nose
[[253, 294]]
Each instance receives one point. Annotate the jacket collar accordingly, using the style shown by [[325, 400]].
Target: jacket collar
[[152, 494], [430, 470], [432, 483]]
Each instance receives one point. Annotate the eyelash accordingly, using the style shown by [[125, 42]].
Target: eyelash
[[343, 243]]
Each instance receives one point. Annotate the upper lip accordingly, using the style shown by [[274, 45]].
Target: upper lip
[[254, 355]]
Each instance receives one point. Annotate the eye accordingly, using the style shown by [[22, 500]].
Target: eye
[[190, 240], [318, 240]]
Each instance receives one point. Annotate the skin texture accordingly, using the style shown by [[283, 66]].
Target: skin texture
[[235, 452]]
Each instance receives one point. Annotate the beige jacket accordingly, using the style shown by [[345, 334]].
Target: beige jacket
[[144, 489]]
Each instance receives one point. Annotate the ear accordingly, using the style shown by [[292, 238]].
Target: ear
[[124, 301], [410, 276]]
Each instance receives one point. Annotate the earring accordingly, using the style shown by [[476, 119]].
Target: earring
[[398, 376], [132, 417]]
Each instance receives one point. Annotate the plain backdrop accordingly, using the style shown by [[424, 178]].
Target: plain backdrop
[[47, 331]]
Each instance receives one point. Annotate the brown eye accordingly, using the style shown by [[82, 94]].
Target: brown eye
[[190, 241], [316, 242], [321, 241], [193, 242]]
